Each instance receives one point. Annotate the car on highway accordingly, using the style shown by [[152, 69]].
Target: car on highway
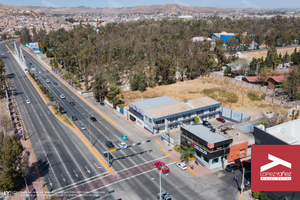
[[206, 123], [232, 167], [162, 167], [47, 71], [124, 137], [47, 80], [122, 145], [220, 119], [82, 127], [109, 144], [164, 196], [40, 72], [62, 96], [93, 119], [181, 166], [72, 103], [54, 83], [74, 118], [3, 54], [109, 154], [28, 101]]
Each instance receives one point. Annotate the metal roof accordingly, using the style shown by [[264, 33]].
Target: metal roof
[[154, 102], [205, 134]]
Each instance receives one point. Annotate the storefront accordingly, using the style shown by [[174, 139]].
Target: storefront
[[211, 154]]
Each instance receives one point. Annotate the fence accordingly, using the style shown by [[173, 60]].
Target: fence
[[234, 115], [237, 84], [282, 102]]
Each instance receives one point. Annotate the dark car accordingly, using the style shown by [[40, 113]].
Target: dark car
[[93, 119], [245, 163], [102, 104], [232, 167], [164, 196], [109, 144], [54, 83], [72, 103], [74, 118], [110, 156], [206, 123]]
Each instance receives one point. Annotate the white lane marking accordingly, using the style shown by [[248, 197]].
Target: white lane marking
[[87, 170], [97, 166]]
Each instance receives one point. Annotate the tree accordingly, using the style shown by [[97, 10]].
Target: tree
[[113, 93], [43, 47], [263, 75], [2, 70], [227, 71], [165, 70], [272, 57], [291, 85], [25, 36], [186, 152], [17, 33], [12, 165], [3, 36], [100, 87], [263, 123]]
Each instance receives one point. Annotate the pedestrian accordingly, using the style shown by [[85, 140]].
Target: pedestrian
[[192, 166], [236, 178]]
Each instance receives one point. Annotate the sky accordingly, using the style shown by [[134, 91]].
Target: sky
[[130, 3]]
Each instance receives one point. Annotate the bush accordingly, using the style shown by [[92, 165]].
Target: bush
[[263, 96], [263, 196], [196, 119], [253, 96], [256, 194], [231, 98], [263, 123], [177, 148]]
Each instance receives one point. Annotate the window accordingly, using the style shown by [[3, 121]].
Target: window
[[176, 118], [150, 121], [146, 118], [205, 159], [215, 160], [184, 116], [189, 115], [199, 154], [242, 152], [199, 112]]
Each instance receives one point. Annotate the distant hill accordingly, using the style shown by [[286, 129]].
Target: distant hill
[[131, 10]]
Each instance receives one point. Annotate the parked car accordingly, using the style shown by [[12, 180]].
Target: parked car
[[164, 196], [220, 119], [28, 101], [206, 123], [47, 80], [182, 166], [232, 167], [124, 137], [62, 96], [162, 167], [93, 119], [82, 127], [72, 103], [74, 118], [109, 144], [109, 154], [122, 145]]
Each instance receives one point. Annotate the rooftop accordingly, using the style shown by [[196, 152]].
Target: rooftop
[[154, 102], [180, 107], [278, 79], [205, 134], [252, 78]]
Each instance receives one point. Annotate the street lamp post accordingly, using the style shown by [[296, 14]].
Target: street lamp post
[[89, 127], [160, 184]]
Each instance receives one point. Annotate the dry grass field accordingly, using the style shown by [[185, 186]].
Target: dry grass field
[[197, 88]]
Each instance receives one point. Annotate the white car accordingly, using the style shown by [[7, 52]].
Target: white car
[[40, 72], [62, 96], [47, 80], [122, 145], [82, 127], [28, 101], [182, 166]]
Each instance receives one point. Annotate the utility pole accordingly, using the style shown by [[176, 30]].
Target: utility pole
[[243, 180], [27, 188], [160, 185]]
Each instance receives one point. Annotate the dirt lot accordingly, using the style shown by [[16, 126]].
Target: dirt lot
[[259, 54], [193, 89]]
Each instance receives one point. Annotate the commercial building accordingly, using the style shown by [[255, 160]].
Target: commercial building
[[163, 113], [215, 148], [223, 36]]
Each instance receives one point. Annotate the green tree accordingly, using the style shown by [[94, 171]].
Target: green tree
[[113, 93], [3, 36], [165, 70], [227, 71], [43, 46], [12, 165], [17, 33], [25, 36], [291, 85], [100, 87], [272, 57], [186, 152], [263, 123]]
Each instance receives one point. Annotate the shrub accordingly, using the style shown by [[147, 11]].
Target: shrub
[[177, 148], [231, 98], [256, 194], [263, 96], [263, 196], [253, 96], [196, 119], [263, 123]]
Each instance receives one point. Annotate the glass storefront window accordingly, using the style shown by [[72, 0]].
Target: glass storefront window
[[205, 159], [215, 160]]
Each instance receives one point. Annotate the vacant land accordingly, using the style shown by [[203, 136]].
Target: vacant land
[[197, 88], [258, 54]]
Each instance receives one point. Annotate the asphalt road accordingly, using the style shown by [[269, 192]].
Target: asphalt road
[[63, 159], [102, 130]]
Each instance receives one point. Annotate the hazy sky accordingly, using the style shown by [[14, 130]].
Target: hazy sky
[[129, 3]]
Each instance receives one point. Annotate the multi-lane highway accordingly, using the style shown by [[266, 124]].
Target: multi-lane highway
[[102, 130], [62, 157]]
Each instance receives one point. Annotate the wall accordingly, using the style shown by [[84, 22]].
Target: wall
[[262, 137], [235, 151], [233, 115]]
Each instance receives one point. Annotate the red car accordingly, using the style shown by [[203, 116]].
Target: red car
[[162, 167], [245, 163], [47, 71], [221, 120]]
